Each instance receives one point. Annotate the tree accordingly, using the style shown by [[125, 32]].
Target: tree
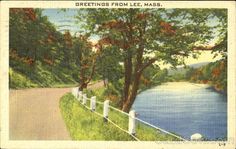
[[146, 36], [108, 64], [32, 37], [37, 50], [216, 72], [86, 60]]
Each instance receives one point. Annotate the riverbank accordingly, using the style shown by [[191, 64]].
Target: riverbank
[[212, 86]]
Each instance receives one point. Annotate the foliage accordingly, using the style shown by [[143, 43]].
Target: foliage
[[41, 54], [85, 59], [221, 44], [153, 76], [214, 73], [131, 42], [19, 81], [32, 37], [108, 64], [99, 93], [112, 94], [42, 77]]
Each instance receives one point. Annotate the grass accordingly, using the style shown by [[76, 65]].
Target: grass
[[84, 124], [18, 80], [64, 85], [41, 76]]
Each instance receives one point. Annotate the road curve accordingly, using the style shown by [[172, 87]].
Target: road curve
[[34, 114]]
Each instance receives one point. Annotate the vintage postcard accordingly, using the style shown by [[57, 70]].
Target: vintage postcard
[[118, 74]]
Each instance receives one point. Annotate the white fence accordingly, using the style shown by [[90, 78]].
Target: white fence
[[131, 115]]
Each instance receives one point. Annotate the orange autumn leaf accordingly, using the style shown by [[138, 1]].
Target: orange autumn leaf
[[14, 10], [142, 16], [222, 65], [30, 13], [114, 24], [112, 97], [144, 80], [167, 28], [216, 72], [48, 61]]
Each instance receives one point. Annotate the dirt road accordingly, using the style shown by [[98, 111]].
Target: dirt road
[[35, 114]]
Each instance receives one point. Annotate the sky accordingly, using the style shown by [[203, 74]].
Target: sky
[[62, 20], [65, 20]]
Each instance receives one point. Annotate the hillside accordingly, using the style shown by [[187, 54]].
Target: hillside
[[213, 73], [40, 76], [183, 70], [39, 55]]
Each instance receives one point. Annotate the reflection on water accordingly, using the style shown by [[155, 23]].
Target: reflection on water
[[184, 108]]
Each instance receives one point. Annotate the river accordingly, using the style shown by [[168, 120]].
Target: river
[[184, 108]]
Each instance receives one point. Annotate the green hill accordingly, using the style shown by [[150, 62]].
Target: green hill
[[40, 76]]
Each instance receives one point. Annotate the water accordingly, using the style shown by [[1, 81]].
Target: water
[[184, 108]]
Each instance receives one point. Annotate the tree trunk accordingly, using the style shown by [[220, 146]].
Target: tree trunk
[[83, 85], [129, 102], [130, 91], [135, 82], [128, 74], [85, 81]]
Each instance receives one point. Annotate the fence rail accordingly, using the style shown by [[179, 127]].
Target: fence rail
[[131, 115]]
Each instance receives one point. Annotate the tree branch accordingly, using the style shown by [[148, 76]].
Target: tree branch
[[207, 48], [152, 60], [92, 73], [179, 53], [202, 48], [145, 65]]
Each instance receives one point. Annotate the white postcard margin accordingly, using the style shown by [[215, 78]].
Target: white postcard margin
[[4, 77]]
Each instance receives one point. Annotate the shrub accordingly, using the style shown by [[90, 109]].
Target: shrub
[[112, 94]]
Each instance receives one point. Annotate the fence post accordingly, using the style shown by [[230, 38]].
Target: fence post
[[105, 110], [80, 96], [84, 99], [76, 92], [73, 91], [196, 137], [93, 103], [132, 122]]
